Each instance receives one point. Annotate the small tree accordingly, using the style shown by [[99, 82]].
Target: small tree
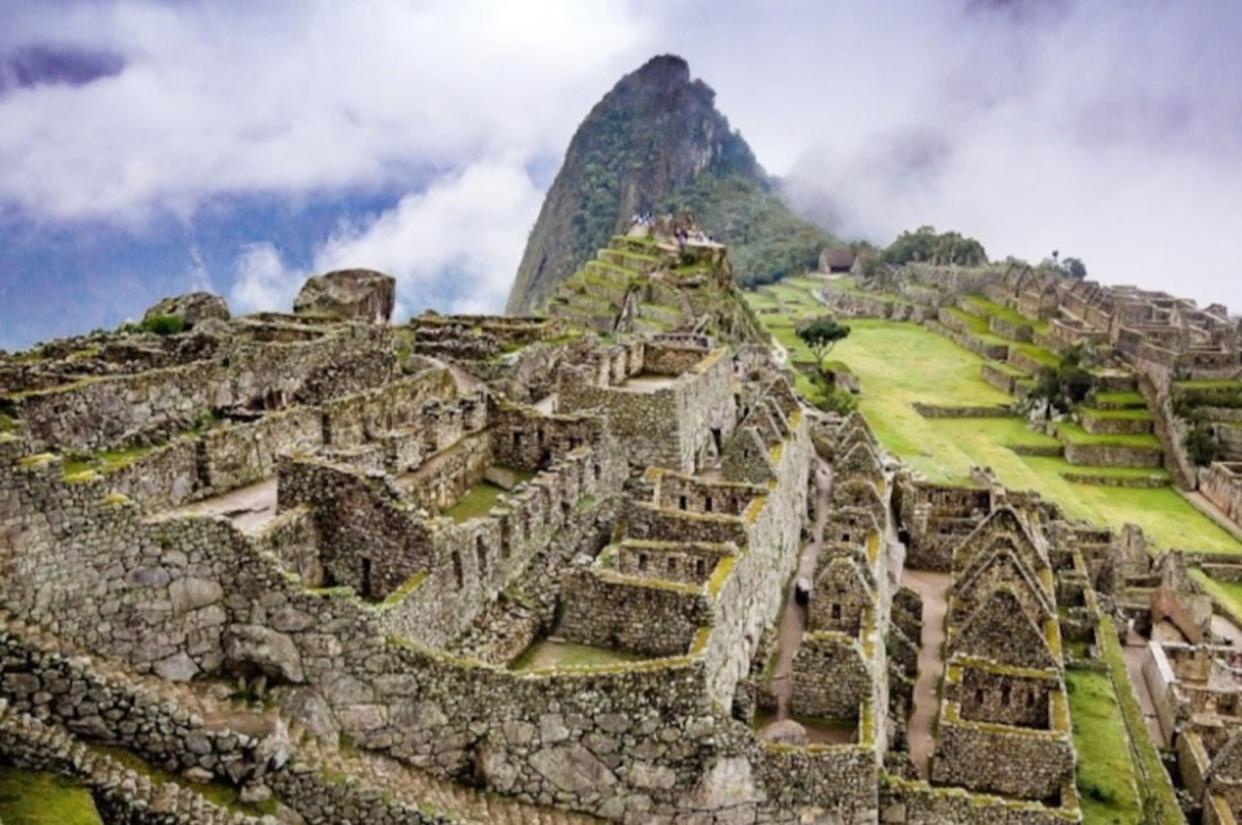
[[1065, 385], [1202, 445], [822, 334]]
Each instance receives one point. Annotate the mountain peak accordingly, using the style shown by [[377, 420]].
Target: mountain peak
[[655, 142]]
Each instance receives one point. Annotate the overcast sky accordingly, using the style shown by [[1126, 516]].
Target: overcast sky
[[149, 148]]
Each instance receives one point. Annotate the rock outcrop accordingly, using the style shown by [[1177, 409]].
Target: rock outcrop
[[192, 308], [358, 294]]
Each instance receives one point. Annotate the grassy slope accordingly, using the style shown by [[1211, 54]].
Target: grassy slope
[[1106, 780], [902, 363], [1227, 594]]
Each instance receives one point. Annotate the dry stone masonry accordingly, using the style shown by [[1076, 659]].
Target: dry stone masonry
[[602, 565]]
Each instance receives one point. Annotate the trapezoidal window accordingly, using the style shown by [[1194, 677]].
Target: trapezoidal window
[[458, 576]]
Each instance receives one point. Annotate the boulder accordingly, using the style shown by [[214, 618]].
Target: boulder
[[349, 294], [192, 308], [785, 732], [256, 648]]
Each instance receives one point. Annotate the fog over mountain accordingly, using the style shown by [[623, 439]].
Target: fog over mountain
[[149, 148]]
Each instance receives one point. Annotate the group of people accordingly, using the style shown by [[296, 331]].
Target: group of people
[[683, 228]]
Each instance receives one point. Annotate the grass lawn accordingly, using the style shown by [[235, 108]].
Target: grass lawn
[[986, 306], [44, 799], [1105, 775], [1227, 594], [1121, 399], [547, 653], [899, 363]]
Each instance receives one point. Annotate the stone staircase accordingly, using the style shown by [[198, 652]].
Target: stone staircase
[[503, 631], [371, 772]]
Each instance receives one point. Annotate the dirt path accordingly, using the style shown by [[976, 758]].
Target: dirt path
[[1136, 652], [934, 588], [793, 621]]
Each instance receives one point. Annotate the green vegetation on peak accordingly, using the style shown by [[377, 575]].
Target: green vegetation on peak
[[927, 245]]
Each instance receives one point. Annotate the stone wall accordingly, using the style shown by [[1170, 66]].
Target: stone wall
[[989, 758], [652, 617], [98, 413], [831, 677], [1113, 455], [917, 803], [122, 795], [1221, 484], [674, 426]]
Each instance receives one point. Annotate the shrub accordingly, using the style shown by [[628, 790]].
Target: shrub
[[162, 324], [838, 401]]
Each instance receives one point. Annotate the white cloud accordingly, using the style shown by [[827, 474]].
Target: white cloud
[[453, 246], [298, 98], [262, 281], [1109, 131]]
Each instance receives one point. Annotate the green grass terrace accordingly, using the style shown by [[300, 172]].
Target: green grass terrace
[[902, 363]]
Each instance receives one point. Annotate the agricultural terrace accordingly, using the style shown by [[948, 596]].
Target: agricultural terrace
[[900, 364]]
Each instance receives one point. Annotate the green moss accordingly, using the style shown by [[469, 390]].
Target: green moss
[[409, 586], [985, 306], [1159, 801], [720, 575], [28, 798], [1133, 414]]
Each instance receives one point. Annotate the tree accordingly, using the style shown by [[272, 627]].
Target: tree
[[1074, 268], [1065, 385], [929, 246], [822, 334]]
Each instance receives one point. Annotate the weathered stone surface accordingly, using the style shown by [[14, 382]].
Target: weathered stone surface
[[192, 308], [573, 768], [356, 294], [266, 650]]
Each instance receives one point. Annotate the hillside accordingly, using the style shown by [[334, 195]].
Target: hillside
[[656, 143]]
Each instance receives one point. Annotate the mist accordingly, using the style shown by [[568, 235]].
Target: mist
[[1107, 131]]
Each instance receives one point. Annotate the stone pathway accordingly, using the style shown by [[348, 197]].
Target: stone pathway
[[934, 588], [249, 508], [793, 621]]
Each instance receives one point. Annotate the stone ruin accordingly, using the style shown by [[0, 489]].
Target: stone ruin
[[522, 570]]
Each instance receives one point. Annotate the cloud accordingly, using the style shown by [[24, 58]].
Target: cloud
[[262, 281], [453, 246], [292, 99], [1107, 131]]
